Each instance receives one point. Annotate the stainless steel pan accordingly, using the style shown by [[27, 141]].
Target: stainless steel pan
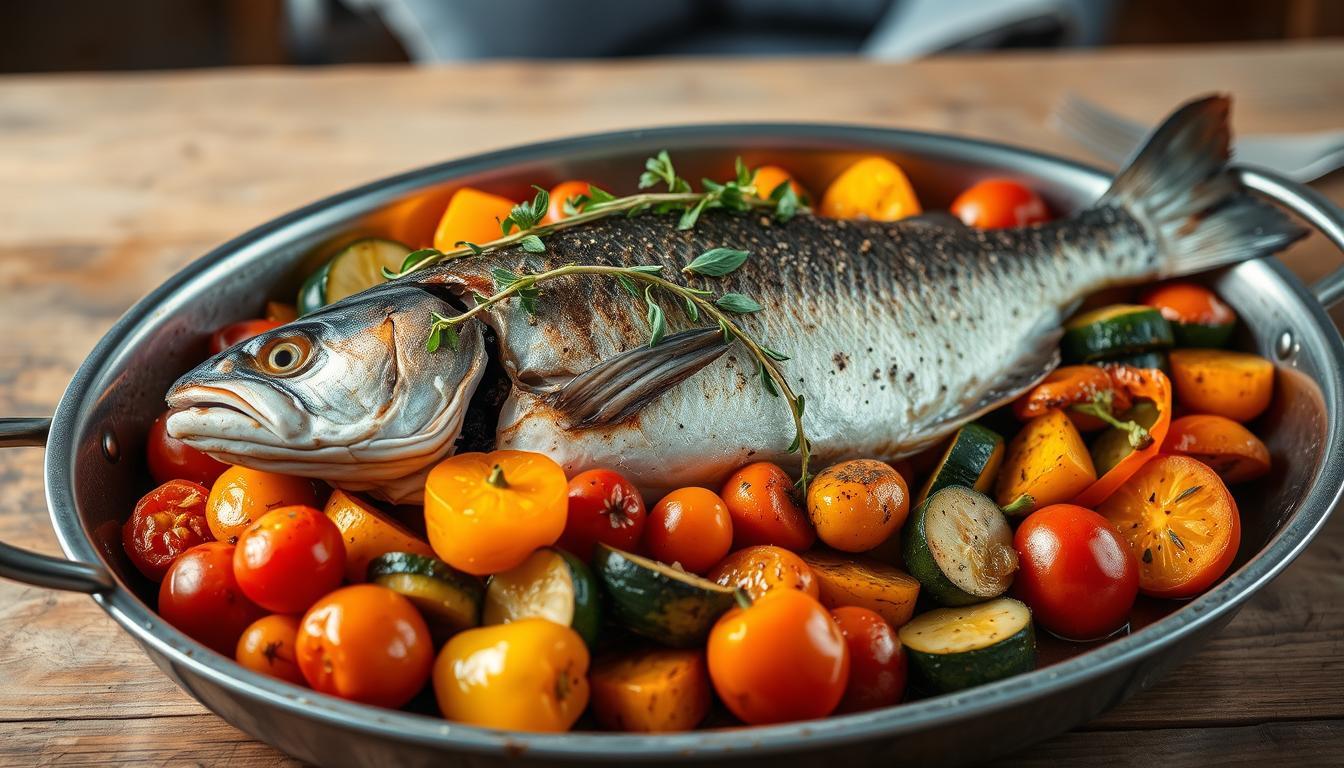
[[94, 467]]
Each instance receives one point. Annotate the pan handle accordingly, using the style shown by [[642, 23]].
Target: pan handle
[[1316, 209], [31, 567]]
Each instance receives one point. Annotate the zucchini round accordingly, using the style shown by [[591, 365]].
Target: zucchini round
[[449, 600], [971, 460], [658, 601], [955, 648], [357, 267], [550, 584], [959, 546], [1120, 329]]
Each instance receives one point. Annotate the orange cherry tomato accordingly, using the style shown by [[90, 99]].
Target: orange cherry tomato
[[201, 598], [1072, 385], [1224, 445], [1237, 385], [289, 558], [857, 504], [995, 203], [241, 496], [760, 500], [267, 646], [166, 522], [603, 507], [781, 659], [559, 194], [770, 177], [486, 512], [172, 459], [236, 333], [472, 216], [764, 567], [872, 188], [1180, 522], [1189, 303], [690, 526], [365, 643], [877, 665], [1147, 383]]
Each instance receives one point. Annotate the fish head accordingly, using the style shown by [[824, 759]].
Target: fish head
[[349, 394]]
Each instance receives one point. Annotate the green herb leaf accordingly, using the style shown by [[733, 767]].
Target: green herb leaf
[[745, 175], [657, 323], [414, 258], [478, 298], [738, 304], [628, 285], [798, 408], [692, 311], [773, 354], [435, 338], [785, 200], [527, 297], [717, 262], [659, 169], [766, 379], [527, 214], [532, 244], [692, 214], [475, 249], [503, 277], [727, 332]]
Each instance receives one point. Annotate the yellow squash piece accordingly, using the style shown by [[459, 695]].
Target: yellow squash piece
[[473, 216], [368, 533], [651, 691], [844, 579], [1048, 461], [873, 188]]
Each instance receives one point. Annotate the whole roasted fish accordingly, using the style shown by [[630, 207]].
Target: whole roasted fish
[[897, 333]]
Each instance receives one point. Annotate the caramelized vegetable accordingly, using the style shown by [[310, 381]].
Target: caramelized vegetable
[[1046, 461], [651, 691], [368, 533], [1224, 445], [760, 501], [241, 496], [770, 177], [472, 216], [759, 569], [559, 194], [857, 504], [872, 188], [1141, 383], [847, 580], [1069, 386], [1237, 385]]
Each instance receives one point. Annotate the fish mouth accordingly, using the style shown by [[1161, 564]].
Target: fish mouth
[[205, 397]]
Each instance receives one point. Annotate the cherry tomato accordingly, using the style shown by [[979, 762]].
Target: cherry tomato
[[559, 194], [605, 507], [690, 526], [761, 503], [236, 333], [759, 569], [771, 177], [1189, 303], [201, 598], [995, 203], [858, 504], [289, 558], [1075, 572], [166, 522], [877, 663], [781, 659], [365, 643], [241, 495], [172, 459], [267, 646]]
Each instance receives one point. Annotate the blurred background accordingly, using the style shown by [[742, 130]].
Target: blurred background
[[85, 35]]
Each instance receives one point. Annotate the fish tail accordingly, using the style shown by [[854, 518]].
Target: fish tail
[[1180, 188]]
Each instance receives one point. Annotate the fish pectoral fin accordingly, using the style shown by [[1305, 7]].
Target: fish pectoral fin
[[615, 389]]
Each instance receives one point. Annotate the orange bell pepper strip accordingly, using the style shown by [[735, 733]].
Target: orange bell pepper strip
[[1149, 384]]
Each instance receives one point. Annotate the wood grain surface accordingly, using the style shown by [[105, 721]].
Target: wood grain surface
[[111, 182]]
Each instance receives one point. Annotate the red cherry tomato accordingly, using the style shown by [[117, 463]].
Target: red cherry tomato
[[1076, 574], [559, 194], [603, 507], [995, 203], [242, 331], [166, 522], [289, 558], [877, 664], [172, 459], [201, 598]]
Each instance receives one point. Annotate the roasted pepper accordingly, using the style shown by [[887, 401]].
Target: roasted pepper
[[1138, 383]]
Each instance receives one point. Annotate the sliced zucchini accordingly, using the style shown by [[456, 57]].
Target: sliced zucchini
[[1150, 359], [357, 267], [1112, 445], [658, 601], [959, 546], [449, 600], [972, 460], [550, 584], [1120, 329], [955, 648]]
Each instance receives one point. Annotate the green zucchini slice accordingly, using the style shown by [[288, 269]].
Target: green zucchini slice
[[955, 648], [971, 461], [1120, 329], [958, 545], [550, 584], [449, 600], [657, 601], [357, 267]]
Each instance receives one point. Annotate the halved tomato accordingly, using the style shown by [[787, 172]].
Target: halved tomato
[[1180, 521], [1227, 447]]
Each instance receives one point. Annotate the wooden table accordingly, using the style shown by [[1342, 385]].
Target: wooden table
[[112, 182]]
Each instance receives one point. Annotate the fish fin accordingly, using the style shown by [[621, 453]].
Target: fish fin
[[1180, 187], [617, 388]]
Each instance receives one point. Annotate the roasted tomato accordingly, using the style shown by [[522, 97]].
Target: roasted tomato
[[365, 643], [760, 500], [858, 504], [771, 177], [877, 663], [267, 646], [172, 459], [166, 522], [236, 333], [289, 558], [561, 192], [1227, 447], [1075, 572], [241, 496], [200, 597], [995, 203], [872, 188], [764, 567], [781, 659], [605, 507], [690, 526]]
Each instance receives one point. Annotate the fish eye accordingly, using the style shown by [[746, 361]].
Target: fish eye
[[284, 356]]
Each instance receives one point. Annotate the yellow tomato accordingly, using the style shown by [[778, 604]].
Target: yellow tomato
[[486, 512], [241, 496], [873, 188], [528, 675]]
